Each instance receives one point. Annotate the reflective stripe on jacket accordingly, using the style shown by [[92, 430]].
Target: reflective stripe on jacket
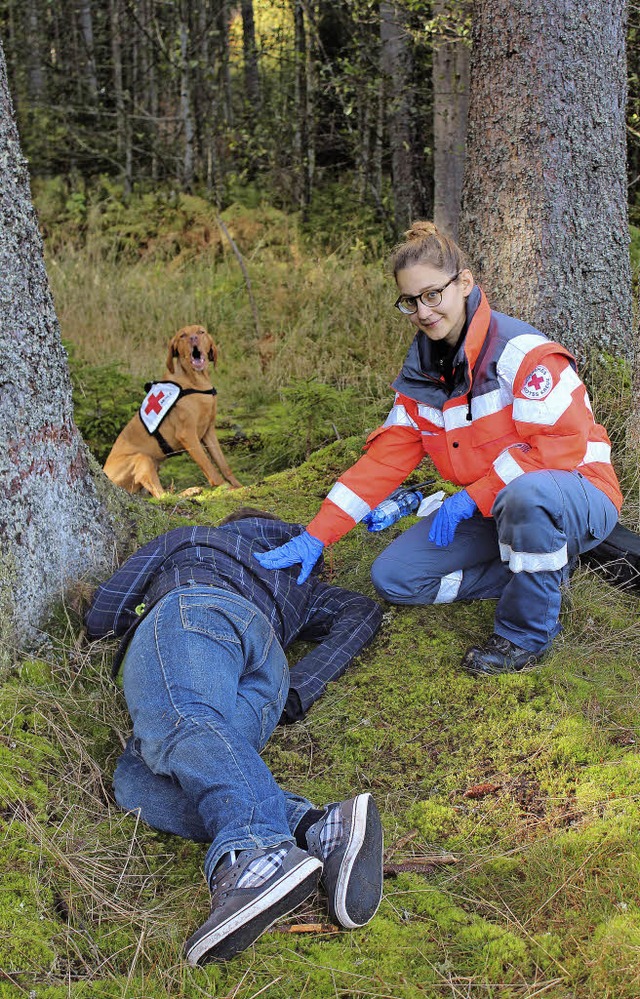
[[518, 406]]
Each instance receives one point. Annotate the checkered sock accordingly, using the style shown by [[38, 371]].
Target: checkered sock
[[330, 831], [262, 868]]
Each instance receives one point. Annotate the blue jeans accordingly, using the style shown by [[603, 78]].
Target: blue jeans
[[521, 555], [205, 681]]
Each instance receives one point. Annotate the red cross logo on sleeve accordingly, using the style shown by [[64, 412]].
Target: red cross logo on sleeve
[[154, 403], [538, 384]]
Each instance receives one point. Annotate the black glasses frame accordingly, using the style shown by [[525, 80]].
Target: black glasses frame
[[416, 298]]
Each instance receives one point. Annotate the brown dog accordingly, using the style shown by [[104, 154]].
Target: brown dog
[[188, 423]]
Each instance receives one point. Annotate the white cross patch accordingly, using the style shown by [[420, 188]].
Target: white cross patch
[[538, 384], [157, 403]]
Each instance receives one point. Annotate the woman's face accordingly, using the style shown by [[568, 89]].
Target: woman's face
[[445, 320]]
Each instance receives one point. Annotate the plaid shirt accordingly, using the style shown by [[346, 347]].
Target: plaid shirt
[[342, 622]]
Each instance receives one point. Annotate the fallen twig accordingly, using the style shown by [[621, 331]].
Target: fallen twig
[[420, 865], [307, 928]]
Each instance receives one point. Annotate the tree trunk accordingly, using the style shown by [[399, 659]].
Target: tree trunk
[[545, 196], [250, 55], [301, 133], [123, 125], [396, 70], [225, 67], [186, 112], [54, 528], [149, 83], [91, 74], [450, 105], [35, 69]]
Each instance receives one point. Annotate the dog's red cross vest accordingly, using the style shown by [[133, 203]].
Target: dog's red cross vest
[[161, 397]]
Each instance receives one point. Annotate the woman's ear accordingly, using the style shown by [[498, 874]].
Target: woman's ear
[[466, 281]]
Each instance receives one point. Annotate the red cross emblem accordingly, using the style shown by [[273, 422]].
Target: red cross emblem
[[538, 384], [154, 403]]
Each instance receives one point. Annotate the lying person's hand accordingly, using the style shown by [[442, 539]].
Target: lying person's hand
[[455, 508], [304, 548]]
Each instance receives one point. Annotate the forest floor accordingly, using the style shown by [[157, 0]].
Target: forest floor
[[511, 806]]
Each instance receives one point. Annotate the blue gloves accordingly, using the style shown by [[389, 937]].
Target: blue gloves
[[303, 548], [455, 508]]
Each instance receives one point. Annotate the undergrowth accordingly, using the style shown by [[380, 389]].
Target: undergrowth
[[511, 806]]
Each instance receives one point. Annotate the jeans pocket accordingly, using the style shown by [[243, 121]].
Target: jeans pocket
[[215, 616]]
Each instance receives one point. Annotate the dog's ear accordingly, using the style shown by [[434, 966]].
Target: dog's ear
[[213, 353], [172, 353]]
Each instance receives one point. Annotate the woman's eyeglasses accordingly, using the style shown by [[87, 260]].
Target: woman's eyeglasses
[[408, 304]]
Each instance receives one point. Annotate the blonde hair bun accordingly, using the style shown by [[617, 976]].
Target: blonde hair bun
[[421, 229], [425, 244]]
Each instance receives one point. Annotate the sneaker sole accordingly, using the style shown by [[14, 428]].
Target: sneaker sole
[[244, 927], [361, 867]]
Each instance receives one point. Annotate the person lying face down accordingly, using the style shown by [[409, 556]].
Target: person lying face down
[[501, 411], [206, 681]]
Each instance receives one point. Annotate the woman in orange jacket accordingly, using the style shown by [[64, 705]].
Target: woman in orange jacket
[[501, 411]]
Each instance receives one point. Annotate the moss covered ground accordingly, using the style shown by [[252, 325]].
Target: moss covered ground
[[511, 806]]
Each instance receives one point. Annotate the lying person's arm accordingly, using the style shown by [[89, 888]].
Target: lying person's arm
[[343, 622]]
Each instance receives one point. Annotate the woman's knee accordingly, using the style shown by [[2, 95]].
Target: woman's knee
[[397, 586], [533, 490], [385, 578]]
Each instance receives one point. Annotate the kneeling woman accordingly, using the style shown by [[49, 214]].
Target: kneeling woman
[[500, 410]]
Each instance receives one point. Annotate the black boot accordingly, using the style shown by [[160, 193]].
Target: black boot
[[499, 655]]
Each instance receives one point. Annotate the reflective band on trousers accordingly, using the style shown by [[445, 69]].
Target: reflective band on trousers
[[449, 587], [348, 501], [533, 561]]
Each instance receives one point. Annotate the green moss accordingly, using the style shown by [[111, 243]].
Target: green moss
[[531, 780], [497, 954], [613, 957], [434, 820], [27, 932]]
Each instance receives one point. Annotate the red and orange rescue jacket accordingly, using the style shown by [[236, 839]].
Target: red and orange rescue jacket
[[518, 406]]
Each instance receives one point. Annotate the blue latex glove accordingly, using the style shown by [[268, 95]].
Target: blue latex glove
[[303, 548], [455, 508]]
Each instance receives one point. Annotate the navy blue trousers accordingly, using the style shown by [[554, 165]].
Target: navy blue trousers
[[521, 555]]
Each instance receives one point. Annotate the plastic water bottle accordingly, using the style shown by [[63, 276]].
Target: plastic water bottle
[[399, 504]]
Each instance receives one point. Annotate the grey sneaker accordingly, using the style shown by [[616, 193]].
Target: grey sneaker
[[248, 894], [348, 841]]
